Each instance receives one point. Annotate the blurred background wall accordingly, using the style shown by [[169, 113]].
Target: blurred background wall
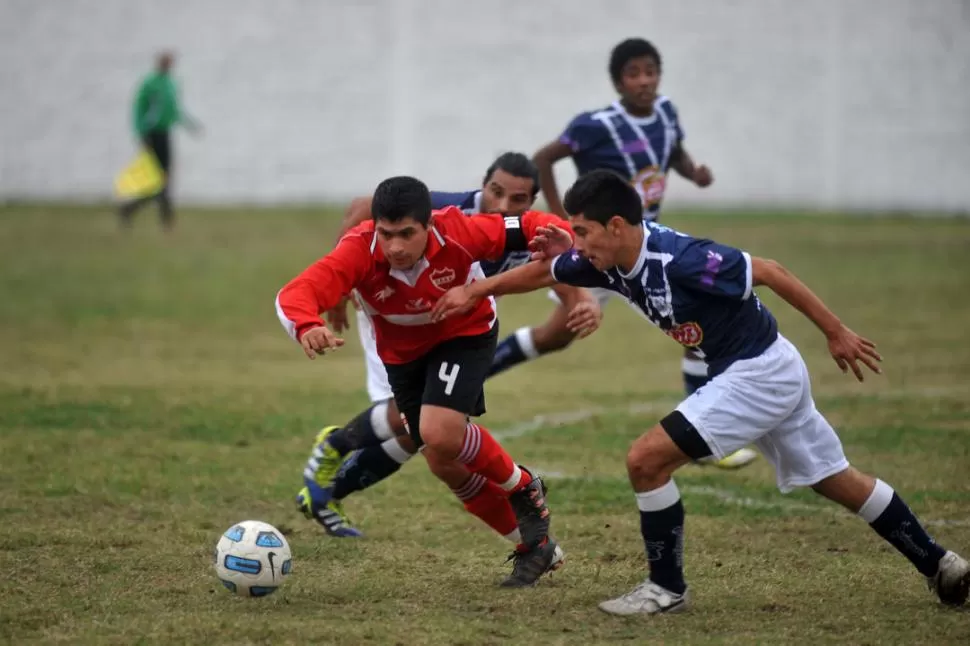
[[831, 104]]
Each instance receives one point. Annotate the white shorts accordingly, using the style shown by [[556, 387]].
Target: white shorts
[[768, 401], [378, 388]]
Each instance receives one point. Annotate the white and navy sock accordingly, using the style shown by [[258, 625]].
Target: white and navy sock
[[369, 428], [367, 467], [662, 528], [513, 350], [892, 519], [695, 374]]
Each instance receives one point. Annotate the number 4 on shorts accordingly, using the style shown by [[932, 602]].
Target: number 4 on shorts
[[449, 376]]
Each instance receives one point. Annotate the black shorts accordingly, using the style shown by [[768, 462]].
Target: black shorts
[[452, 375]]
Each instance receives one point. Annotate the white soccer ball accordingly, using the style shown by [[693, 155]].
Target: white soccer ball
[[253, 559]]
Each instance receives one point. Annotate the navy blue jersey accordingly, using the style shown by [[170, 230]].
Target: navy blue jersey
[[697, 291], [638, 148], [471, 203]]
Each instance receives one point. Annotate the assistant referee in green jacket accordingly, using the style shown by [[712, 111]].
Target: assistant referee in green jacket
[[156, 111]]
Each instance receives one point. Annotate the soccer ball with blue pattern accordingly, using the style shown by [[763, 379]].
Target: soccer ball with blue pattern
[[253, 559]]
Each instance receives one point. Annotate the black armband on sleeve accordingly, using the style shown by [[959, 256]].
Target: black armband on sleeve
[[514, 235]]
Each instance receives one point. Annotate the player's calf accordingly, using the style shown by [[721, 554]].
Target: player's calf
[[373, 426], [889, 516]]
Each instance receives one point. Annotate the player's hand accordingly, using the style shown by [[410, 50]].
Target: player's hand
[[584, 319], [849, 349], [319, 340], [703, 176], [456, 301], [337, 317], [549, 242]]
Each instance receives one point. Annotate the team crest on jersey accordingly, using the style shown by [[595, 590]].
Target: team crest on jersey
[[650, 184], [687, 334], [442, 277]]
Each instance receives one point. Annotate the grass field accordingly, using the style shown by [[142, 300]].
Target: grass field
[[149, 399]]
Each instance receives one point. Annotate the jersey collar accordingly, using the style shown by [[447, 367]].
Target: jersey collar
[[641, 259], [436, 242], [635, 119]]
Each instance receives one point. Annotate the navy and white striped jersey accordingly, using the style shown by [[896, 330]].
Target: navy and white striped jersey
[[471, 203], [638, 148], [697, 291]]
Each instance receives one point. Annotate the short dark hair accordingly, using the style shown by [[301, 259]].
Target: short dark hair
[[401, 197], [516, 165], [628, 50], [600, 194]]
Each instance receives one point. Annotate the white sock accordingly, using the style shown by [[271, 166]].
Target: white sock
[[524, 336], [693, 367], [395, 451], [658, 499], [378, 421], [876, 503]]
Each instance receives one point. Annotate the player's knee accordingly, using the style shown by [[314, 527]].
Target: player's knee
[[443, 431], [647, 461]]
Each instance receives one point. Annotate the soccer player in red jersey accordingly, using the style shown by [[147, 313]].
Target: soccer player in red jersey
[[401, 263]]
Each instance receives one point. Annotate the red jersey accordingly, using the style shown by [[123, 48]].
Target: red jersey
[[399, 302]]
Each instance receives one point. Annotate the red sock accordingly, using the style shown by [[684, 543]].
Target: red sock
[[483, 455], [490, 504]]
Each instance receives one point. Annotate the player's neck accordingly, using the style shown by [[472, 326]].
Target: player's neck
[[635, 111], [630, 251]]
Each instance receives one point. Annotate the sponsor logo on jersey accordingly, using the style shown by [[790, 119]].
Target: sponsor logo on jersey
[[383, 294], [418, 305], [687, 334]]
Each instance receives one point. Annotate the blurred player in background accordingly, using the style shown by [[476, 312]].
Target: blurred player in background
[[640, 137], [155, 112], [701, 294], [400, 263]]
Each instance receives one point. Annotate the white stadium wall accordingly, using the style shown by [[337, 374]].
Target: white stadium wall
[[831, 104]]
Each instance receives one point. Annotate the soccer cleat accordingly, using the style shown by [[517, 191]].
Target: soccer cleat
[[529, 565], [531, 512], [648, 598], [324, 462], [951, 583], [329, 514], [736, 460]]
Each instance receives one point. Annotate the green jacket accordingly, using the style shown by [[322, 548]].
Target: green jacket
[[156, 105]]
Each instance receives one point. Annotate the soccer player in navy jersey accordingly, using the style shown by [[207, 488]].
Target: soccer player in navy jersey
[[701, 294], [639, 136]]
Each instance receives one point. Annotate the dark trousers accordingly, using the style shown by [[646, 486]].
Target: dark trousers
[[160, 144]]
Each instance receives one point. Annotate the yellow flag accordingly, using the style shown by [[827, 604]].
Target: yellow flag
[[142, 178]]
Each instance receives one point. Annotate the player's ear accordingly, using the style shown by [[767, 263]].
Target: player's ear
[[615, 225]]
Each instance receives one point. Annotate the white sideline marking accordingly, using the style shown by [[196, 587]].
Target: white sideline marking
[[729, 497], [549, 420]]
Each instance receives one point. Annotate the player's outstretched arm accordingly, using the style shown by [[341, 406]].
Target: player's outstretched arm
[[459, 300], [357, 211], [321, 286], [846, 347]]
